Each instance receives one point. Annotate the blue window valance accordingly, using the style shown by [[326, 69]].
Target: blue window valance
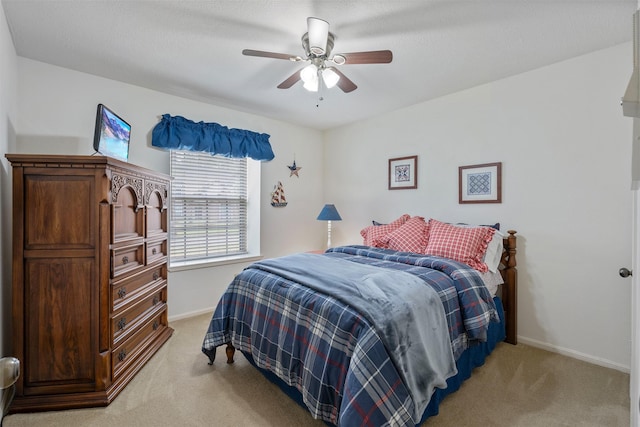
[[178, 133]]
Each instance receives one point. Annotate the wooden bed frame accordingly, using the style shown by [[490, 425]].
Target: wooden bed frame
[[509, 289], [509, 293]]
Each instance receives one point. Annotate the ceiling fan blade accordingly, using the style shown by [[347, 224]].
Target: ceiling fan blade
[[263, 54], [372, 57], [318, 31], [290, 81], [344, 83]]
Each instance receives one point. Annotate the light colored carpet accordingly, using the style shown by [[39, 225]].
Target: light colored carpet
[[518, 386]]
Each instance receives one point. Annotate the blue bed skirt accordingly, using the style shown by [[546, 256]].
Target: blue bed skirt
[[471, 358]]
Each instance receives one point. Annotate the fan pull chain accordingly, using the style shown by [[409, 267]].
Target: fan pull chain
[[320, 90]]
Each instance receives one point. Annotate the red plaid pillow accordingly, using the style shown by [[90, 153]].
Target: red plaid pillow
[[464, 244], [374, 233], [410, 237]]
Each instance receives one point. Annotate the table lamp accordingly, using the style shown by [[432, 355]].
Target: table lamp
[[329, 213]]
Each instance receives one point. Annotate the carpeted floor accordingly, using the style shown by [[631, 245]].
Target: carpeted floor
[[518, 386]]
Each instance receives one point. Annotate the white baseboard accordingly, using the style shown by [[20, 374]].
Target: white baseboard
[[191, 314], [574, 354]]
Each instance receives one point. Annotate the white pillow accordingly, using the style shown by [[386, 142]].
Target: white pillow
[[493, 255], [492, 281]]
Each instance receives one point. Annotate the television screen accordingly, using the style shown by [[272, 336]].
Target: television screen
[[112, 134]]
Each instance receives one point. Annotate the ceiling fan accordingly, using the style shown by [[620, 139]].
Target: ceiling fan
[[317, 43]]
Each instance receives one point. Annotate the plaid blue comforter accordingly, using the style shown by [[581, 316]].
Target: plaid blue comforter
[[328, 351]]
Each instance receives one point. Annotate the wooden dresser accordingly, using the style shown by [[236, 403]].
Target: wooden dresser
[[89, 290]]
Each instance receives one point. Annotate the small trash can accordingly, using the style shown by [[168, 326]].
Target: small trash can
[[9, 373]]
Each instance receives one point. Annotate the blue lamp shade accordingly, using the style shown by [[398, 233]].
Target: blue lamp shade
[[329, 213]]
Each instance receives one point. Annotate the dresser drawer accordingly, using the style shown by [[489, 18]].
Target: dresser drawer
[[124, 291], [125, 323], [127, 352], [156, 251], [125, 259]]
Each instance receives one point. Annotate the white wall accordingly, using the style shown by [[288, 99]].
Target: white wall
[[8, 83], [56, 114], [566, 154]]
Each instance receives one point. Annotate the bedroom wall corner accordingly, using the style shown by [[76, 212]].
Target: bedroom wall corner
[[8, 107]]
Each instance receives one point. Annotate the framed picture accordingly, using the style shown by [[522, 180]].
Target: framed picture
[[480, 183], [403, 173]]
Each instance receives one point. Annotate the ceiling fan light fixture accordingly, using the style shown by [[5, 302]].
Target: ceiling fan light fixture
[[311, 86], [318, 44], [309, 73], [339, 59], [309, 76], [318, 30], [330, 77]]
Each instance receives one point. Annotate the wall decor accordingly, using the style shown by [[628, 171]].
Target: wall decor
[[403, 173], [277, 196], [480, 183], [294, 169]]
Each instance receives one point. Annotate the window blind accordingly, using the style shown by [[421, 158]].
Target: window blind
[[208, 206]]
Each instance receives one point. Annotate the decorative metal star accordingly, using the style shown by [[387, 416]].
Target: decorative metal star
[[294, 170]]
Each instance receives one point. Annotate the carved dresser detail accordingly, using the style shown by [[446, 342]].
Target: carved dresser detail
[[89, 291]]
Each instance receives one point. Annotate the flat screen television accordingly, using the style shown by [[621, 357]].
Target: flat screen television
[[112, 133]]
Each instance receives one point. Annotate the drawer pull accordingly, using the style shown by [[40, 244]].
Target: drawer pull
[[155, 325], [122, 292], [156, 300], [155, 275], [122, 354], [154, 251], [122, 323], [125, 259]]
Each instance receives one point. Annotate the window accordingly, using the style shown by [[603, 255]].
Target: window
[[211, 219]]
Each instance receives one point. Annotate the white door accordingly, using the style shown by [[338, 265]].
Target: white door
[[635, 315]]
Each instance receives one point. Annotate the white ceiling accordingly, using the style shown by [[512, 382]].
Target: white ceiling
[[193, 48]]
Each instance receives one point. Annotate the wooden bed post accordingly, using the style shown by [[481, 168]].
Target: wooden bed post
[[230, 350], [510, 287]]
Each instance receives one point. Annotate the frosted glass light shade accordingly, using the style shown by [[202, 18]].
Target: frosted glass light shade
[[311, 86], [318, 33], [330, 77], [309, 76], [309, 73]]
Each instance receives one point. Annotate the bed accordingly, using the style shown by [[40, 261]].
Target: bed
[[370, 334]]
